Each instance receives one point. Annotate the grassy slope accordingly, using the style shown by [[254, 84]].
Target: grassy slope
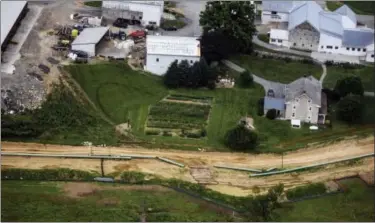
[[336, 73], [277, 70], [359, 7], [45, 201], [355, 205]]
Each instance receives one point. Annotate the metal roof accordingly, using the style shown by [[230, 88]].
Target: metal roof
[[173, 45], [280, 6], [358, 37], [304, 85], [274, 103], [346, 11], [330, 22], [90, 35], [307, 12], [10, 11]]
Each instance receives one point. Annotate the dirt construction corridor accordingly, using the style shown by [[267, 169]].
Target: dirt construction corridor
[[199, 165]]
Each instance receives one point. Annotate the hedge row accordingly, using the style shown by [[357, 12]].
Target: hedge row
[[46, 174], [306, 191]]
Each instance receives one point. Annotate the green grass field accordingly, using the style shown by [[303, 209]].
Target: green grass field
[[275, 69], [94, 3], [365, 73], [27, 201], [359, 7], [355, 205]]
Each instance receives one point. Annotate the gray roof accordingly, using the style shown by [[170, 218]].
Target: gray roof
[[10, 11], [346, 11], [331, 23], [90, 35], [358, 37], [274, 103], [280, 6], [307, 12], [304, 85]]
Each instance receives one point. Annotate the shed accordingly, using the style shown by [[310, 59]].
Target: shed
[[88, 40]]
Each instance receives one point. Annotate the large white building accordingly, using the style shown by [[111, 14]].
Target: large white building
[[306, 26], [89, 39], [147, 12], [161, 51]]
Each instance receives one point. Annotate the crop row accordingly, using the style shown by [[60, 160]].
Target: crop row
[[164, 108], [192, 120], [172, 125], [190, 97], [207, 100]]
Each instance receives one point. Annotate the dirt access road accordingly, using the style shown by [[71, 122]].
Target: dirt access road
[[226, 181]]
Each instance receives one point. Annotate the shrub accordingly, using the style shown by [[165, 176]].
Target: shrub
[[133, 177], [332, 95], [305, 191], [260, 107], [203, 133], [46, 174], [241, 138], [271, 114], [350, 109], [349, 85], [246, 79], [152, 132]]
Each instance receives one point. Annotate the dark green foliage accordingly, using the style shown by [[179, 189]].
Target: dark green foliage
[[46, 174], [271, 114], [97, 4], [171, 79], [20, 126], [260, 108], [152, 132], [305, 191], [233, 18], [246, 79], [241, 138], [133, 177], [350, 109], [349, 85], [332, 96]]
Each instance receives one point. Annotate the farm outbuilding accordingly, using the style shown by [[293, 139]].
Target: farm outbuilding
[[89, 39], [12, 12], [163, 50]]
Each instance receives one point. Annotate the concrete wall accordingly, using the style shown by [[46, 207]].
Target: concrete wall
[[159, 64], [279, 17], [304, 37], [300, 109], [88, 48]]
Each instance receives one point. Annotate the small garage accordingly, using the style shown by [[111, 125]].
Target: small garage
[[89, 39]]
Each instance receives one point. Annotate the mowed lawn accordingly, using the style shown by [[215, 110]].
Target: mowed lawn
[[277, 69], [355, 205], [359, 7], [28, 201], [365, 73]]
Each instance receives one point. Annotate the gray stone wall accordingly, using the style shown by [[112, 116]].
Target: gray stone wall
[[304, 37]]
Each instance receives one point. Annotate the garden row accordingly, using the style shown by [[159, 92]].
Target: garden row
[[180, 97], [180, 109]]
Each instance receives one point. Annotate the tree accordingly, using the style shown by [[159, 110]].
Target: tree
[[241, 138], [349, 85], [216, 46], [207, 73], [271, 114], [171, 78], [246, 79], [233, 18], [350, 108], [260, 107], [184, 72]]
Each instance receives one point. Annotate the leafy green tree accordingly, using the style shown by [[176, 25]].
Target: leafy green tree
[[241, 138], [171, 78], [246, 79], [349, 85], [184, 72], [271, 114], [350, 108], [234, 18]]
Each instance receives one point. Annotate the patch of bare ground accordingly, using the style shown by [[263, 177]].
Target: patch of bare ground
[[368, 177]]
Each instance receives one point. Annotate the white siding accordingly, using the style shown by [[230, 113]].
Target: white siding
[[279, 37], [370, 56], [158, 64], [279, 17], [300, 108], [329, 40], [88, 48]]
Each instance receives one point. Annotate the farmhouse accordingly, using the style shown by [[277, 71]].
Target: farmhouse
[[12, 12], [146, 12], [161, 51], [89, 39], [306, 26], [301, 100]]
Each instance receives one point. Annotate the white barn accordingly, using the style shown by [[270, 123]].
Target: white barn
[[309, 27], [161, 51], [148, 12], [88, 40]]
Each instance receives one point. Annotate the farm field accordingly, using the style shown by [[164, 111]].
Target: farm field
[[335, 73], [354, 205], [275, 69], [27, 201], [125, 95]]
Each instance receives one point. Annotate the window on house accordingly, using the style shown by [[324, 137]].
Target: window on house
[[353, 49], [359, 49], [336, 47], [329, 47], [303, 44], [157, 59], [297, 100], [322, 47], [372, 55], [310, 45], [279, 40], [273, 40], [293, 115], [347, 48], [310, 108], [364, 50], [294, 107], [309, 100], [140, 17], [191, 61], [294, 44], [309, 117], [274, 13]]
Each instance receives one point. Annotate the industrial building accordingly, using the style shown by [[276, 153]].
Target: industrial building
[[12, 12], [89, 39], [161, 51]]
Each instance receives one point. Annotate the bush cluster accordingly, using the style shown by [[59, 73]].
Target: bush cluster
[[46, 174], [306, 191], [345, 65]]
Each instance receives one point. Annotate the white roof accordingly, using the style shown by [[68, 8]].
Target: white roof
[[90, 35], [279, 34], [173, 45], [10, 11]]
